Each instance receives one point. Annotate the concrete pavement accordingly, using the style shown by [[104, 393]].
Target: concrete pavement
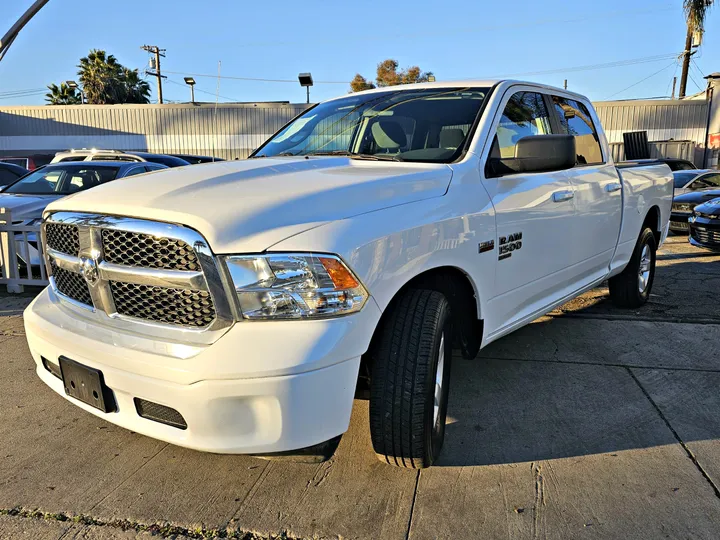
[[592, 423]]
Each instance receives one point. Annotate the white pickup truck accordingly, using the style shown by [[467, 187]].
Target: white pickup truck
[[235, 307]]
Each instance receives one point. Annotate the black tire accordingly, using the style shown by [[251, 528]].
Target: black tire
[[625, 287], [403, 426]]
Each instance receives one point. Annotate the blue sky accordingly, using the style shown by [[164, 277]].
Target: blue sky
[[335, 40]]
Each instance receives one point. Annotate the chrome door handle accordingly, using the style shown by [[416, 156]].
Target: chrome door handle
[[560, 196], [614, 186]]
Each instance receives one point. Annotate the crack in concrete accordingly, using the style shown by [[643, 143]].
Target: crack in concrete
[[412, 505], [685, 447], [161, 529], [539, 501]]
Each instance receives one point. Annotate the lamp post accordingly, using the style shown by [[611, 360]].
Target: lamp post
[[191, 83], [75, 86], [306, 80]]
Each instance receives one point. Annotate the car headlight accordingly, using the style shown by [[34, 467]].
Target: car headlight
[[294, 286]]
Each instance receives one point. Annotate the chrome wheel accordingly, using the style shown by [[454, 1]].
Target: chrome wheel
[[644, 270], [439, 380]]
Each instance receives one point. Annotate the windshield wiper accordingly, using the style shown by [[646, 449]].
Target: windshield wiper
[[353, 155]]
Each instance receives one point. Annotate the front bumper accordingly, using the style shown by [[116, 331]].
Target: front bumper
[[705, 233], [262, 387], [679, 222]]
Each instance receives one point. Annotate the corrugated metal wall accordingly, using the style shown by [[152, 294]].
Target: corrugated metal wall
[[662, 119], [233, 130]]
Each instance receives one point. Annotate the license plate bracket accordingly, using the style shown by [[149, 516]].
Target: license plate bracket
[[87, 385]]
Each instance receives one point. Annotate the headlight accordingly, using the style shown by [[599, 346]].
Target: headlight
[[683, 207], [294, 286]]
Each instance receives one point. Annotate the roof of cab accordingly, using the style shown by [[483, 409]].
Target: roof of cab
[[469, 83]]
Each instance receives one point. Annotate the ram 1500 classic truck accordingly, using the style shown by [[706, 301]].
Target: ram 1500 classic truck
[[233, 307]]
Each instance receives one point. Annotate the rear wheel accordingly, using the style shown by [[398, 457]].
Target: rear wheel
[[410, 377], [631, 288]]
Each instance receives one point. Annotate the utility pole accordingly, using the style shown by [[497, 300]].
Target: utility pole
[[565, 84], [672, 96], [686, 62], [158, 52], [9, 37]]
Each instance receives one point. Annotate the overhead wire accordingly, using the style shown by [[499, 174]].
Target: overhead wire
[[640, 81]]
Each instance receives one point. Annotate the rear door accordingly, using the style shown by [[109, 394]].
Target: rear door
[[534, 214], [598, 193]]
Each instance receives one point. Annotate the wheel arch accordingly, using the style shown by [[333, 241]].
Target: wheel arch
[[465, 305], [653, 221]]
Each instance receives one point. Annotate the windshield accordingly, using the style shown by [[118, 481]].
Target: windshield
[[62, 181], [682, 178], [429, 124]]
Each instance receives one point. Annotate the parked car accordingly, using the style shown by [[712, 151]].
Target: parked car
[[9, 173], [196, 160], [28, 197], [118, 155], [705, 225], [686, 181], [230, 307], [683, 206], [26, 163], [677, 164]]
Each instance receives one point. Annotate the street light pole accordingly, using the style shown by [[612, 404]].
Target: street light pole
[[306, 80], [191, 83], [11, 34]]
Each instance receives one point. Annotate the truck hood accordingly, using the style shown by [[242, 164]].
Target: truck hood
[[24, 207], [247, 206]]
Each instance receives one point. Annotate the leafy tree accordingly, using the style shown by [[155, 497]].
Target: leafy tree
[[62, 95], [360, 83], [387, 74], [132, 88], [99, 74], [104, 81]]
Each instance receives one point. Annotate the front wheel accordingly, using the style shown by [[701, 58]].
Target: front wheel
[[410, 378], [631, 288]]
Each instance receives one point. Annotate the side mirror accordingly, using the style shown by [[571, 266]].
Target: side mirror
[[536, 153]]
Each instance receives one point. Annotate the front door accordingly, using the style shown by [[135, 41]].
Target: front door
[[533, 213]]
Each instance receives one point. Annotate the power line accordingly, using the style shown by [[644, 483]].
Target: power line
[[697, 67], [199, 90], [215, 76], [641, 81], [590, 67]]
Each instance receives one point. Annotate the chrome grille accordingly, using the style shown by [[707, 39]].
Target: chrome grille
[[71, 285], [147, 251], [138, 271], [63, 238], [173, 306]]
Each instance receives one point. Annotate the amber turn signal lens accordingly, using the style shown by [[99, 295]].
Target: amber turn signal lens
[[341, 276]]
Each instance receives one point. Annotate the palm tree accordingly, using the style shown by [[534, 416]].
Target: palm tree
[[695, 13], [134, 89], [62, 95], [99, 74]]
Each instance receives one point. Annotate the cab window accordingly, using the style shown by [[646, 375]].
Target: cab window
[[524, 115], [574, 119]]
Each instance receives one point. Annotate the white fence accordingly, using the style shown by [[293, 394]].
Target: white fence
[[22, 261]]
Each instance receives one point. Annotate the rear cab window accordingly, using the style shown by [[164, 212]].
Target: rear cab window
[[574, 119]]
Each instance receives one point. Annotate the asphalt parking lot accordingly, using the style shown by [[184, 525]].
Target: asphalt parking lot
[[588, 423]]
